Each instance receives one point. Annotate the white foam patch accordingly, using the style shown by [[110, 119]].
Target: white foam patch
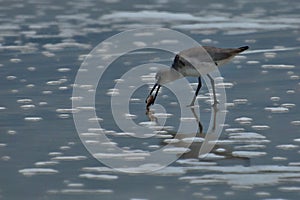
[[244, 120], [246, 141], [287, 146], [277, 109], [250, 147], [75, 185], [37, 171], [95, 119], [123, 155], [171, 141], [33, 119], [64, 45], [246, 181], [170, 171], [2, 108], [195, 162], [288, 105], [289, 189], [295, 123], [224, 85], [260, 127], [246, 136], [80, 191], [211, 156], [113, 92], [124, 134], [10, 78], [162, 115], [27, 107], [46, 163], [130, 116], [248, 154], [278, 66], [24, 101], [64, 69], [176, 150], [69, 158], [232, 130], [99, 176], [55, 153], [192, 139], [3, 145], [142, 15], [279, 158]]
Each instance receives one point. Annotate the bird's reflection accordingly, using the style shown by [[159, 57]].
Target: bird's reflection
[[224, 151]]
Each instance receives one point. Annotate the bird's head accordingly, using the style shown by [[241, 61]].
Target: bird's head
[[164, 76]]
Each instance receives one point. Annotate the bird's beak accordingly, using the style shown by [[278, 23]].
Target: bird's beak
[[158, 87]]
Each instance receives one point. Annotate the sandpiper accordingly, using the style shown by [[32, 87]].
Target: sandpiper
[[194, 62]]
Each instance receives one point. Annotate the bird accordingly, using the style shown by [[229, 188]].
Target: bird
[[194, 62]]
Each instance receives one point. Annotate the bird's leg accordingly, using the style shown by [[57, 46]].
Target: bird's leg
[[197, 91], [212, 81], [200, 127]]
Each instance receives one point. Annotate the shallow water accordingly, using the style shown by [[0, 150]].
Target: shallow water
[[42, 46]]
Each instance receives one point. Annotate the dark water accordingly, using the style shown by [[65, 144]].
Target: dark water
[[42, 46]]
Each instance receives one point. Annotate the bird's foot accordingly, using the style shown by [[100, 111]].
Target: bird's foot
[[149, 102]]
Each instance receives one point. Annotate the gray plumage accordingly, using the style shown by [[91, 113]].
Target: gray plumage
[[195, 62]]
